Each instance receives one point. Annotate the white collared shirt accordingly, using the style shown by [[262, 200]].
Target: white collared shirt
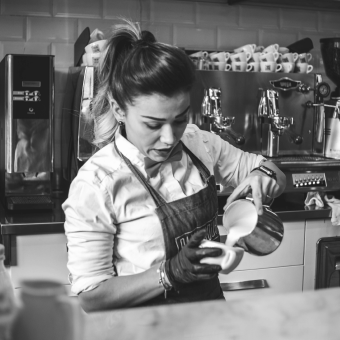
[[111, 224]]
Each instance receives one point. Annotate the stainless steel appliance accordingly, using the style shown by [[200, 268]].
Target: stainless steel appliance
[[26, 151], [278, 115]]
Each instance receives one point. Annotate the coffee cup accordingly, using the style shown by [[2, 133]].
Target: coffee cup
[[270, 56], [219, 56], [228, 260], [289, 57], [241, 56], [217, 66], [288, 67], [304, 58], [96, 46], [253, 67], [199, 54], [271, 48], [249, 48], [256, 56], [92, 59], [239, 66], [270, 66], [48, 313], [303, 68], [227, 67]]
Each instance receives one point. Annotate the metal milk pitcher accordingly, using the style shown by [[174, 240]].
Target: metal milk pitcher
[[257, 234]]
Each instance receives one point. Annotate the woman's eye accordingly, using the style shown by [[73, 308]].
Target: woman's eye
[[153, 127]]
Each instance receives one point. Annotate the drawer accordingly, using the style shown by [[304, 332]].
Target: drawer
[[276, 280], [289, 253]]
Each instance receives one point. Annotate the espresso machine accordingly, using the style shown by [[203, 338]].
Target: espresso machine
[[278, 115], [26, 148]]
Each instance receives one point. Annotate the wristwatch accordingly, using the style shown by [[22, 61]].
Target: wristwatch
[[269, 172]]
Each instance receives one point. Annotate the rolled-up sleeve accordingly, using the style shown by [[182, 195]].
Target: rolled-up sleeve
[[231, 165], [89, 228]]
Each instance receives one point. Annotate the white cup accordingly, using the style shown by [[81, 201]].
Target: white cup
[[227, 67], [256, 56], [289, 57], [95, 47], [303, 68], [288, 67], [249, 48], [270, 56], [92, 59], [253, 66], [219, 56], [239, 66], [304, 58], [228, 260], [199, 54], [271, 48], [270, 66], [241, 56], [217, 66]]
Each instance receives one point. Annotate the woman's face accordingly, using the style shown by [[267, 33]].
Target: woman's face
[[156, 123]]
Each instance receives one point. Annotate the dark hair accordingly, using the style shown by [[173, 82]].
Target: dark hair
[[136, 64]]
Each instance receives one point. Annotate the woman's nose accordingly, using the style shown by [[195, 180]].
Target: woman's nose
[[167, 135]]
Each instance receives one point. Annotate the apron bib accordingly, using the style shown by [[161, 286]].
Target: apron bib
[[180, 219]]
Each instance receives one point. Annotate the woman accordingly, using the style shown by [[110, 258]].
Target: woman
[[140, 207]]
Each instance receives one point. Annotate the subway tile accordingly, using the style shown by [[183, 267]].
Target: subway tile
[[26, 48], [329, 21], [217, 14], [231, 38], [162, 33], [27, 7], [12, 28], [102, 25], [302, 19], [195, 37], [261, 16], [52, 29], [78, 8], [175, 12], [64, 54], [281, 37], [131, 9]]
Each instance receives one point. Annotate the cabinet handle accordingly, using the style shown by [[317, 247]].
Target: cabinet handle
[[243, 285]]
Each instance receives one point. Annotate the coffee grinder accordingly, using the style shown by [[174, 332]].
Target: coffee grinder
[[26, 119]]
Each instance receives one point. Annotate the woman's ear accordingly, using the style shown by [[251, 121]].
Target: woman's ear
[[117, 111]]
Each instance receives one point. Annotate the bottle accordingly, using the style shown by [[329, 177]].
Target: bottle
[[8, 305]]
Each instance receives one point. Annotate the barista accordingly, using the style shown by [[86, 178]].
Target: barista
[[140, 207]]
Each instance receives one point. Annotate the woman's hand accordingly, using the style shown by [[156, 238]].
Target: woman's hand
[[185, 267], [262, 187]]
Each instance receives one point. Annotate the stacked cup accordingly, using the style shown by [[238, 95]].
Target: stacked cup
[[200, 60], [93, 52], [239, 61], [219, 61], [302, 65], [288, 61], [269, 59]]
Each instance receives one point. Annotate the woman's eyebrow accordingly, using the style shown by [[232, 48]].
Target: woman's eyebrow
[[162, 119]]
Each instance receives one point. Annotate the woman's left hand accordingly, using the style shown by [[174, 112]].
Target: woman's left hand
[[262, 187]]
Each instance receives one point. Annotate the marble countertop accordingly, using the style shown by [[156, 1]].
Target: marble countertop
[[304, 316]]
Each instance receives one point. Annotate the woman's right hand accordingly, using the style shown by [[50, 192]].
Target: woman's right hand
[[185, 267]]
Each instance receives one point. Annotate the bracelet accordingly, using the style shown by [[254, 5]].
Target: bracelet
[[162, 279]]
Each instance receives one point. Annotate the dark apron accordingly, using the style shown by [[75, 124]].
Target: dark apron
[[180, 219]]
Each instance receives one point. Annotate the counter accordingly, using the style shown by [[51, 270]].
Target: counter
[[308, 316]]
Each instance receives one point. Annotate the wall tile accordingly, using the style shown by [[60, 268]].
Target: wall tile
[[173, 11], [64, 54], [302, 19], [217, 14], [12, 28], [329, 21], [27, 7], [43, 29], [194, 37], [162, 33], [229, 39], [281, 37], [128, 8], [261, 16], [26, 48], [78, 8]]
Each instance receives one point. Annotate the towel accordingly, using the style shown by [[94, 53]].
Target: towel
[[334, 203], [313, 197]]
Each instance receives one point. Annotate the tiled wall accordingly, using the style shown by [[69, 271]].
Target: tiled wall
[[52, 27]]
